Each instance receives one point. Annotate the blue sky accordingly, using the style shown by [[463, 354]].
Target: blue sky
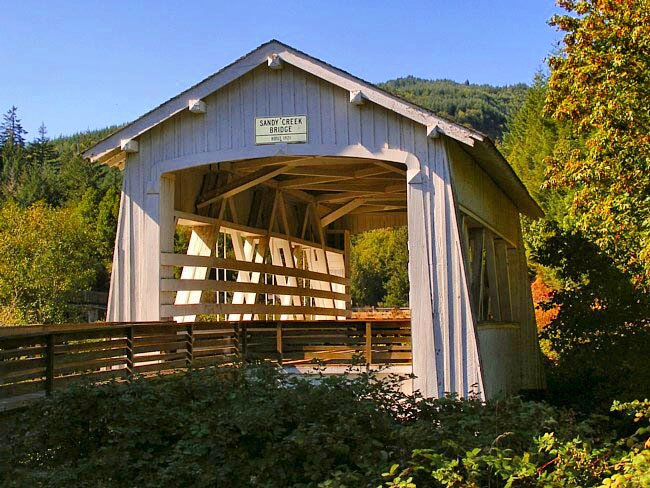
[[78, 65]]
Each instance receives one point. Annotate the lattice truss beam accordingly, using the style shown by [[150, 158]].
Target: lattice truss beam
[[493, 269], [267, 238]]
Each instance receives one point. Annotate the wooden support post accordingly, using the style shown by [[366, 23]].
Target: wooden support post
[[49, 364], [493, 281], [501, 255], [243, 343], [278, 340], [515, 285], [368, 343], [347, 245], [167, 229], [129, 353], [477, 278], [189, 346], [305, 222]]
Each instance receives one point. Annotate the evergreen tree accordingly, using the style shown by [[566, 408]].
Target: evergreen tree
[[39, 179], [12, 133], [530, 138], [12, 152], [41, 150]]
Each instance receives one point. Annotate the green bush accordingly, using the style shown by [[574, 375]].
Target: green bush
[[601, 335], [258, 426]]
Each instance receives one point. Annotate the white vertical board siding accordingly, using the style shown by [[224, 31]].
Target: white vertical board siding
[[477, 193], [334, 127], [228, 124], [445, 352], [135, 279]]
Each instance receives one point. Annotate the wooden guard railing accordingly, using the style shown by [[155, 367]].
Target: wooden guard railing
[[38, 359]]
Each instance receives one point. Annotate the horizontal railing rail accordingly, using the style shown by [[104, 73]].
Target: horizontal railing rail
[[35, 360]]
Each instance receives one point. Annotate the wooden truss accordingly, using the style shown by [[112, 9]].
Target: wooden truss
[[264, 242], [492, 266]]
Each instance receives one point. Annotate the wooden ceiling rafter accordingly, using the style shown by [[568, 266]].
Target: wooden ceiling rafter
[[341, 211], [391, 167], [240, 184], [353, 185], [328, 190], [309, 180], [376, 208]]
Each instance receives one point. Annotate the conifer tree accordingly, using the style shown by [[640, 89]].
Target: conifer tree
[[531, 138], [12, 133], [41, 150], [38, 176], [12, 152]]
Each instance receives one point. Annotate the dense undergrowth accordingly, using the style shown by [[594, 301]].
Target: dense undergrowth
[[258, 426]]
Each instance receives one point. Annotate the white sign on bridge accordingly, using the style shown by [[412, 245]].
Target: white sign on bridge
[[284, 129]]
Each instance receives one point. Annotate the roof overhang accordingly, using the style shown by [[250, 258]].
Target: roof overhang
[[110, 150]]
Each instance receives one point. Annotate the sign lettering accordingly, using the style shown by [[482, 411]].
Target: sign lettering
[[284, 129]]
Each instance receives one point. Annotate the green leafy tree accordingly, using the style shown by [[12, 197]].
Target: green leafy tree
[[600, 84], [46, 258], [379, 264], [601, 334], [99, 214]]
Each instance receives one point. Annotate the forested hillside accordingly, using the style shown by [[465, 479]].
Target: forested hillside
[[485, 108]]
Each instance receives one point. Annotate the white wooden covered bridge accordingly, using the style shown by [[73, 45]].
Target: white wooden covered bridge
[[273, 162]]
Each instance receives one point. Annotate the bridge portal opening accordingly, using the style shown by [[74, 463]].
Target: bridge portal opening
[[269, 238]]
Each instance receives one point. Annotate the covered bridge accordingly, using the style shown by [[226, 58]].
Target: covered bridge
[[273, 162]]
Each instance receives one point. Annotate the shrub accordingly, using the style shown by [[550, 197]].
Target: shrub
[[600, 335], [258, 426]]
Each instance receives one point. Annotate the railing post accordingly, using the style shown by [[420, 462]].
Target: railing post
[[243, 342], [278, 340], [368, 343], [49, 364], [129, 353], [189, 346]]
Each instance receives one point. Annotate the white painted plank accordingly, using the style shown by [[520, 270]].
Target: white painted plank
[[202, 243]]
